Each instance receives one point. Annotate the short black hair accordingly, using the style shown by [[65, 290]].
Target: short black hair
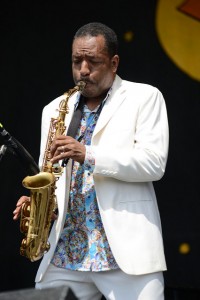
[[97, 28]]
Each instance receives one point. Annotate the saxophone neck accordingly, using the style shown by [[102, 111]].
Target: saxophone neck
[[63, 107], [79, 87]]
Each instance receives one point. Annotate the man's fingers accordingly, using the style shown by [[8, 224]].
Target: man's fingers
[[19, 204], [16, 213], [22, 200]]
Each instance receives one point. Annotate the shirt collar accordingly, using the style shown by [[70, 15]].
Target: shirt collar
[[78, 97]]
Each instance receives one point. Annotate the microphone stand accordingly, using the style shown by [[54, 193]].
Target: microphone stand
[[14, 147]]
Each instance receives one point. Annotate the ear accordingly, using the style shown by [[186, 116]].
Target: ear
[[115, 62]]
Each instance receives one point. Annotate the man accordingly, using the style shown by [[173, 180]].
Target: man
[[107, 238]]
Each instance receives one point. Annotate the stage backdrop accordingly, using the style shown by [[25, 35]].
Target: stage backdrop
[[159, 45]]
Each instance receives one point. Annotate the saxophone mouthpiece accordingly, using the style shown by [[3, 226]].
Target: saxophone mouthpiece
[[81, 84]]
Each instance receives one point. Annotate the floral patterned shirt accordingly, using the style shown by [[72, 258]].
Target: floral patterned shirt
[[83, 244]]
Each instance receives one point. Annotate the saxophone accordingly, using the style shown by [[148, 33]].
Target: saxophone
[[36, 214]]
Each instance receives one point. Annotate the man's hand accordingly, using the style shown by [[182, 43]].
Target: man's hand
[[20, 202], [18, 208], [64, 147]]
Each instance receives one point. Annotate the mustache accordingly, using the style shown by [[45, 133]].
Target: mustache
[[85, 80]]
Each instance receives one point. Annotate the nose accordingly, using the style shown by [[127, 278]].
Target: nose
[[84, 70]]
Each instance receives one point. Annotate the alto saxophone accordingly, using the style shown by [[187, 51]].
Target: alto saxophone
[[36, 214]]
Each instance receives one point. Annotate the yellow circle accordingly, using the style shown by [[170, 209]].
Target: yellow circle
[[128, 36], [179, 35], [184, 248]]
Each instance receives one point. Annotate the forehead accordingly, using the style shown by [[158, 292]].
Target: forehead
[[89, 45]]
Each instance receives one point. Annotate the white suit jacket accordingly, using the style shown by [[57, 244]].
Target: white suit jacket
[[131, 147]]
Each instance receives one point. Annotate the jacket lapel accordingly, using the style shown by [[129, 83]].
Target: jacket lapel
[[116, 97]]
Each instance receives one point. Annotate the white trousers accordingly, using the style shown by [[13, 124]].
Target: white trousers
[[114, 285]]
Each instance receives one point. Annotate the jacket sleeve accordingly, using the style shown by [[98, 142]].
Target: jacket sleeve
[[145, 157]]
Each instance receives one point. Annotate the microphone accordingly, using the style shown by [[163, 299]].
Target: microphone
[[2, 151], [18, 150]]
